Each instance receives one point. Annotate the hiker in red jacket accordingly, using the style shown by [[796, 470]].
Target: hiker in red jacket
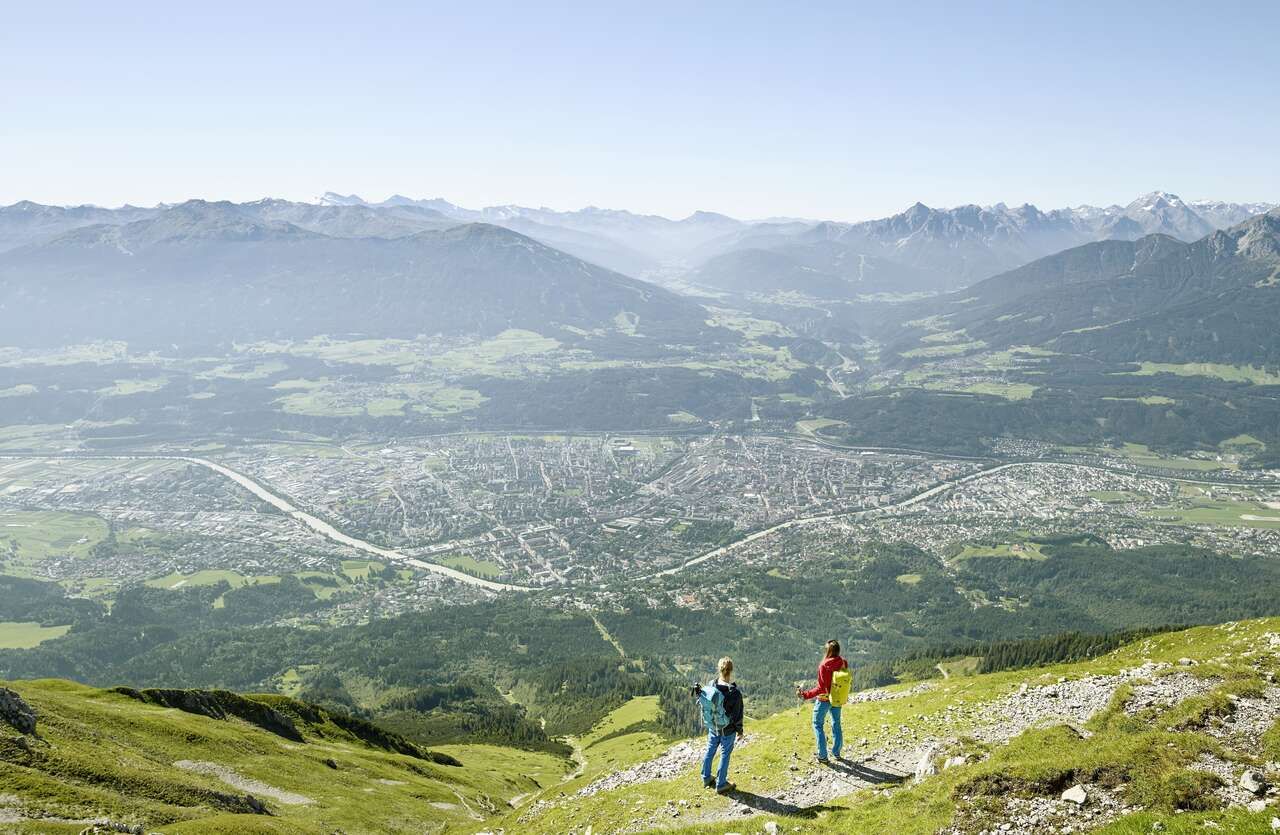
[[822, 704]]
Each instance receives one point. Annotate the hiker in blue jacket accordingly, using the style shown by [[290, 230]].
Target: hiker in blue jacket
[[721, 704]]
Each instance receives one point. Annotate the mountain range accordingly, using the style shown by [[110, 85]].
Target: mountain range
[[202, 272], [943, 249], [921, 249], [622, 240], [212, 273], [1156, 298], [26, 222]]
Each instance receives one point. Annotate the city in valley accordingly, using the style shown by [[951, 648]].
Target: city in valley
[[375, 529]]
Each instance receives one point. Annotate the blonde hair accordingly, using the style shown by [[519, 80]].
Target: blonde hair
[[725, 668]]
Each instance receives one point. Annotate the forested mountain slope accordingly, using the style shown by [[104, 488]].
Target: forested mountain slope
[[1155, 299], [216, 273], [926, 249]]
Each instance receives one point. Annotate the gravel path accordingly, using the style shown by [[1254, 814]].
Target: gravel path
[[909, 753], [244, 784]]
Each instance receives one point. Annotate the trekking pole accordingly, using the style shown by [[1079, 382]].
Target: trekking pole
[[697, 716]]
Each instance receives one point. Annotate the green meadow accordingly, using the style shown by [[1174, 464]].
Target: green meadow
[[24, 635], [1230, 373], [28, 537]]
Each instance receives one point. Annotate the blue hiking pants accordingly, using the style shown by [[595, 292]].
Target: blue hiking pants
[[723, 743], [820, 711]]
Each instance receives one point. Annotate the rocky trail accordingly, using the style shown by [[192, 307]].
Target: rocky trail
[[956, 735], [908, 756]]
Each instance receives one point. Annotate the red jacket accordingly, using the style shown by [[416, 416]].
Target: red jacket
[[825, 669]]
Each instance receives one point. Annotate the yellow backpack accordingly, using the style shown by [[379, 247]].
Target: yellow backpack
[[841, 683]]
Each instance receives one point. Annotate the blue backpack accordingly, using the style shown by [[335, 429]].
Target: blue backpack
[[714, 717]]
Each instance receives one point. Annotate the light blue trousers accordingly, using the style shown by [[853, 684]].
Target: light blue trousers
[[723, 743], [820, 711]]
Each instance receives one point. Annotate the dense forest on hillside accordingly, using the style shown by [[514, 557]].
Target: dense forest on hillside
[[1076, 402], [595, 399]]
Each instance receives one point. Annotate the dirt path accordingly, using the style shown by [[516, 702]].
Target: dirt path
[[604, 633], [244, 784], [898, 759], [465, 805], [579, 758], [515, 802]]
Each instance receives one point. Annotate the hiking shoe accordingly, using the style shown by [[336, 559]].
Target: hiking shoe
[[823, 761], [708, 783], [726, 788]]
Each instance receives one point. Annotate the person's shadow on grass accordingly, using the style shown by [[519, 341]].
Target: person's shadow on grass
[[773, 806], [866, 773]]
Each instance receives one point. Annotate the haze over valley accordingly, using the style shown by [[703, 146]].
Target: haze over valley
[[452, 392]]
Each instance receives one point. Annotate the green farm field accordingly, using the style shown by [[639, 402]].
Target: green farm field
[[1230, 373], [470, 565], [27, 538], [27, 634], [1014, 550]]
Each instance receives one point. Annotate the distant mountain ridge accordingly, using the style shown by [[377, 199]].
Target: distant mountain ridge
[[921, 249], [615, 238], [1157, 298], [949, 248], [218, 272], [26, 222]]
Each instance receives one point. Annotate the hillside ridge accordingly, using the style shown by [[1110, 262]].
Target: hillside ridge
[[214, 273], [1166, 733], [199, 761], [1001, 752]]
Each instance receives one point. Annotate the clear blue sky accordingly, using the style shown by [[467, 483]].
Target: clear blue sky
[[843, 110]]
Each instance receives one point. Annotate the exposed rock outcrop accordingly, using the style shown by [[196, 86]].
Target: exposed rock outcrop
[[16, 712], [219, 704]]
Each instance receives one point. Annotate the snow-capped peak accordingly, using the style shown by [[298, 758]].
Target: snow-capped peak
[[330, 198], [1159, 199]]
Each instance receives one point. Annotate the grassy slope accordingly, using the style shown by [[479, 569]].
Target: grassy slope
[[374, 791], [1144, 755], [623, 737], [108, 755]]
